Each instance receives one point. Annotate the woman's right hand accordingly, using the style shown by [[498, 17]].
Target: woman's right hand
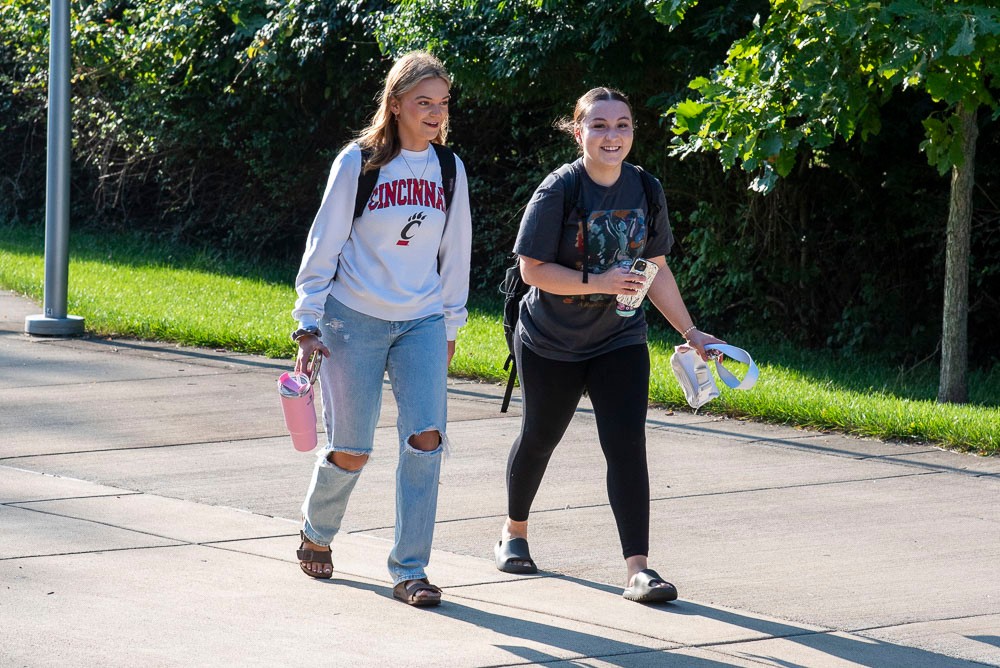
[[308, 344], [620, 281]]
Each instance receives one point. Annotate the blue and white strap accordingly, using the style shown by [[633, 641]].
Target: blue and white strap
[[740, 355]]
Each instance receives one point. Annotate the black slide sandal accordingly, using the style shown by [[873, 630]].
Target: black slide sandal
[[649, 587], [513, 550]]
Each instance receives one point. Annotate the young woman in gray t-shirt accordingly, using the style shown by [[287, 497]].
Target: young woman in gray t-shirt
[[570, 337]]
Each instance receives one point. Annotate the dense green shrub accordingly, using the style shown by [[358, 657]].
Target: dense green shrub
[[215, 123], [202, 120]]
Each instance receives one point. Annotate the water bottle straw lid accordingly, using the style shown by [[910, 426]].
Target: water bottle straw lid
[[293, 384]]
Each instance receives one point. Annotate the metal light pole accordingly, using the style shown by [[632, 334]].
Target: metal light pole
[[55, 322]]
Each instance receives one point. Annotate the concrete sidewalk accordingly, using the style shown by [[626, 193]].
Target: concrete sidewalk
[[149, 516]]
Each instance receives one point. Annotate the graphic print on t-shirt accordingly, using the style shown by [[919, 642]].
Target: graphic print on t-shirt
[[612, 237]]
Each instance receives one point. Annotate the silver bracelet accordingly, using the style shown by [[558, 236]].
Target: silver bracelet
[[688, 331]]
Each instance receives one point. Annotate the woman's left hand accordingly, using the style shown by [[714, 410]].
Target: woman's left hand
[[451, 351], [698, 339]]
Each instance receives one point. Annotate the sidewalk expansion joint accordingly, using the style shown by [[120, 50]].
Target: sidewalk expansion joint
[[73, 498], [571, 660], [219, 543], [652, 499], [158, 348], [107, 549], [913, 622], [781, 487], [140, 447], [106, 524], [540, 575], [143, 379]]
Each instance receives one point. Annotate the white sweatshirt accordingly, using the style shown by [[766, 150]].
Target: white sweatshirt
[[403, 259]]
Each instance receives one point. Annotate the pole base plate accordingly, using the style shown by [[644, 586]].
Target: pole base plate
[[40, 325]]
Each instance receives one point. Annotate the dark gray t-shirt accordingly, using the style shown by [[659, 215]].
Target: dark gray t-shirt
[[578, 327]]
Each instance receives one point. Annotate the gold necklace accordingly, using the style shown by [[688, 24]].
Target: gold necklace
[[427, 161]]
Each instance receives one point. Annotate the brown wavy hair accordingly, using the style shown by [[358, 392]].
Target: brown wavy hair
[[381, 136], [569, 125]]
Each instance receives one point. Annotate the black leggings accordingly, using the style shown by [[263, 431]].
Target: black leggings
[[618, 385]]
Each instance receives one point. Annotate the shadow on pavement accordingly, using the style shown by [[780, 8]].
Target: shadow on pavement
[[863, 652]]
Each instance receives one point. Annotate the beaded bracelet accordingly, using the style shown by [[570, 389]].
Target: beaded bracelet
[[688, 331]]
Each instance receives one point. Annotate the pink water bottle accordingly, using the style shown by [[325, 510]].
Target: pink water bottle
[[297, 403]]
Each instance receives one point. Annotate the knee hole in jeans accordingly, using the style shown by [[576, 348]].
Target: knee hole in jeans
[[425, 441], [347, 461]]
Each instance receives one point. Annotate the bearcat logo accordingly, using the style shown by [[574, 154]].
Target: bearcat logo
[[412, 222]]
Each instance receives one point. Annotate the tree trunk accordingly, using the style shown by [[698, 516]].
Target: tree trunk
[[953, 385]]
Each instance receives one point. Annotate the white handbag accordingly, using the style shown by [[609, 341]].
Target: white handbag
[[696, 380]]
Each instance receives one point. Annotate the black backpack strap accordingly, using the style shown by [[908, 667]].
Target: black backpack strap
[[366, 184], [513, 289], [572, 206], [510, 363], [651, 189], [449, 171]]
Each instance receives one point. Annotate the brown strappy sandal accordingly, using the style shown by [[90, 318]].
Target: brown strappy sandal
[[407, 591], [309, 556]]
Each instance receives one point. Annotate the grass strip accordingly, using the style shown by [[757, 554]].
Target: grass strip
[[129, 285]]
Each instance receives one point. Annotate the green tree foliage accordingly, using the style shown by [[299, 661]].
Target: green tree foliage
[[214, 120], [817, 71], [818, 260], [537, 51], [519, 65], [23, 79]]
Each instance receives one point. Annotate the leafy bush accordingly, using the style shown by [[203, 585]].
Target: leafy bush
[[196, 119], [215, 124]]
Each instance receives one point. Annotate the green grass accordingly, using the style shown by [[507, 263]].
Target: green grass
[[132, 286], [127, 285]]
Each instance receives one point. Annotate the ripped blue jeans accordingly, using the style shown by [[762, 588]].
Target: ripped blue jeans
[[362, 350]]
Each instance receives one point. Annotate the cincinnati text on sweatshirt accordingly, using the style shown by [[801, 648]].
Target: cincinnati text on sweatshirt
[[405, 192]]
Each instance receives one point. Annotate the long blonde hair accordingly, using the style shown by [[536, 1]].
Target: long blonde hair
[[381, 137]]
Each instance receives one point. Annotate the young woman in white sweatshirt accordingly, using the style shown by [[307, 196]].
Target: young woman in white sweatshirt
[[386, 292]]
